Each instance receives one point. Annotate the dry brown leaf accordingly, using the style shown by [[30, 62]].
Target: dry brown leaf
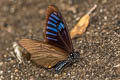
[[82, 24]]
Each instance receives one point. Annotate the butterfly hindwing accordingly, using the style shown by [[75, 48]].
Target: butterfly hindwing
[[56, 32], [42, 53]]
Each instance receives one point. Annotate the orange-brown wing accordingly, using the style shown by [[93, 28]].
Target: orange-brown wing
[[42, 53]]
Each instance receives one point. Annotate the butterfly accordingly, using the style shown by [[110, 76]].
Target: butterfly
[[56, 51]]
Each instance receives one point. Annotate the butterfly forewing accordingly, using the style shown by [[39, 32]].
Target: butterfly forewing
[[56, 32], [42, 53]]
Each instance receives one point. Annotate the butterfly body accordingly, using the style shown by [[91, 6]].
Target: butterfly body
[[57, 48], [73, 57]]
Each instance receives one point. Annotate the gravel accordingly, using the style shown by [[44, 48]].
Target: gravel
[[99, 46]]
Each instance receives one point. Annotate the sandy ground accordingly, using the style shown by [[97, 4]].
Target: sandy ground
[[99, 46]]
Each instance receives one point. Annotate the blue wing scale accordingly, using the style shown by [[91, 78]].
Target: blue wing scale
[[52, 29], [51, 23], [54, 16], [52, 19], [49, 33]]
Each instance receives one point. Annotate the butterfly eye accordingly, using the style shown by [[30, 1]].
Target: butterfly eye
[[74, 55]]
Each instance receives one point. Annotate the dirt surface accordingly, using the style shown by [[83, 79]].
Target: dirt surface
[[99, 46]]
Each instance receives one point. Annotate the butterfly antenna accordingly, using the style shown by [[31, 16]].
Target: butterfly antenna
[[92, 9]]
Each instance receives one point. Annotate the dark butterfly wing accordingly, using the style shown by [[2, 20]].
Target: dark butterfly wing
[[56, 32], [42, 53]]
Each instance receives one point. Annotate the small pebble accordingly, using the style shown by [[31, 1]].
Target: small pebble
[[101, 10], [105, 17], [56, 75], [1, 63], [32, 78], [16, 70], [1, 72]]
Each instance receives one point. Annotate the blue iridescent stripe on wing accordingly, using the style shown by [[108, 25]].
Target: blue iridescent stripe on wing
[[51, 33], [51, 23], [61, 26], [52, 29], [50, 18], [54, 16], [51, 39]]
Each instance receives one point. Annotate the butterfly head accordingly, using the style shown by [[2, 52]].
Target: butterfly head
[[74, 56]]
